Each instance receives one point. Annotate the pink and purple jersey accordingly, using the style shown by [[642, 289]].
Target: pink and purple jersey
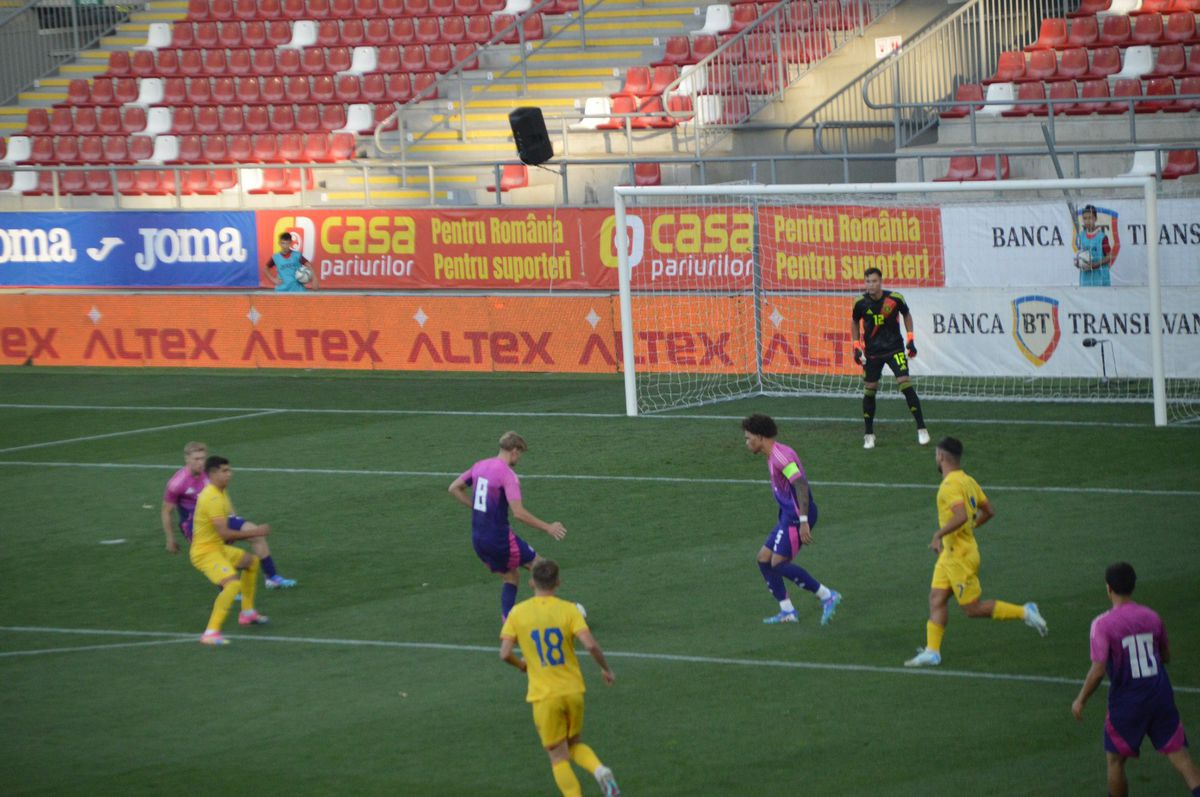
[[493, 485], [182, 490], [1130, 639], [784, 465]]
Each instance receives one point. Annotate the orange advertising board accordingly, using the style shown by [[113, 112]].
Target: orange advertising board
[[564, 334]]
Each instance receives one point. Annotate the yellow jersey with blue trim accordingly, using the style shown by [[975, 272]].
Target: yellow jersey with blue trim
[[545, 628], [212, 503], [959, 488]]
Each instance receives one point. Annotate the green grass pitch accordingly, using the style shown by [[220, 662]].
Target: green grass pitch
[[378, 674]]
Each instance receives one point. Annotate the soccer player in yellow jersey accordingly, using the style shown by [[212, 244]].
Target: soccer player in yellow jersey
[[546, 628], [962, 508], [214, 526]]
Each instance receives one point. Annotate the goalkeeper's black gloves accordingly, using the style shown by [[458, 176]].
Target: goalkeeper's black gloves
[[911, 347], [858, 352]]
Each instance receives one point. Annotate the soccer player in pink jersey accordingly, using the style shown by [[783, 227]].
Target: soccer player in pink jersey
[[180, 495], [1130, 642], [494, 488], [797, 517]]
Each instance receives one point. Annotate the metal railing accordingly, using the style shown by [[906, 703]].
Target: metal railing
[[902, 90], [772, 169], [456, 75], [40, 36]]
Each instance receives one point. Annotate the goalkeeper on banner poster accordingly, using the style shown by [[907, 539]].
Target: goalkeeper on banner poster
[[1094, 252], [875, 331]]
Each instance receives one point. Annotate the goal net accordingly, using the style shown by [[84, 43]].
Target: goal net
[[1023, 290]]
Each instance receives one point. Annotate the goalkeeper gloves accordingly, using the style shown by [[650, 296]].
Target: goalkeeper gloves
[[912, 347], [858, 352]]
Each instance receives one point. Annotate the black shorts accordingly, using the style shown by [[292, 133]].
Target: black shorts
[[873, 368]]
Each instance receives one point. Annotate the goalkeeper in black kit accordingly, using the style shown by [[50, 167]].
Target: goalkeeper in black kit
[[875, 331]]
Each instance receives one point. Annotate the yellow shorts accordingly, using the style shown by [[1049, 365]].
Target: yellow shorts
[[960, 575], [218, 565], [558, 718]]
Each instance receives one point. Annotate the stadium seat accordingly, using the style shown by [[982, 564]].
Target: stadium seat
[[1089, 8], [438, 58], [1180, 163], [37, 122], [468, 7], [412, 58], [595, 111], [441, 8], [1170, 61], [366, 9], [1160, 87], [647, 174], [337, 59], [272, 90], [677, 51], [304, 33], [425, 85], [428, 30], [1009, 67], [247, 92], [329, 34], [1136, 62], [1114, 32], [465, 54], [966, 94], [282, 120], [998, 99], [1147, 30], [307, 117], [215, 150], [744, 15], [266, 148], [622, 108], [312, 61], [207, 120], [1073, 65], [1084, 32], [166, 63], [1031, 100], [512, 176], [62, 121], [85, 122], [291, 148], [108, 120], [232, 119], [247, 10], [140, 148], [142, 64], [387, 60], [1051, 36], [478, 29], [1123, 89], [1092, 90], [341, 9], [1105, 61], [1181, 28], [207, 35], [637, 82], [377, 32], [254, 34], [962, 167], [403, 31], [353, 33], [398, 88], [987, 168], [1152, 7], [134, 120], [347, 88], [1182, 104], [333, 117], [1065, 93], [322, 88], [118, 64], [1043, 65]]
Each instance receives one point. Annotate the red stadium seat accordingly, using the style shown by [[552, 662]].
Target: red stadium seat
[[1089, 8], [677, 51], [1105, 61], [454, 29], [1170, 61], [317, 9], [399, 88], [1163, 87], [347, 89], [1010, 67], [247, 10], [140, 148], [622, 105], [208, 119], [1043, 65], [215, 62], [134, 120], [438, 58], [62, 122], [1094, 90], [1180, 163], [428, 30], [297, 89], [291, 147], [337, 59], [266, 148], [116, 149], [272, 89], [1063, 90], [441, 8], [308, 117], [283, 119], [423, 84], [703, 46], [313, 62], [341, 9], [1115, 31], [647, 174], [333, 117], [377, 32], [1181, 28], [353, 34], [254, 34], [467, 7], [215, 150], [328, 33], [37, 122], [464, 53], [1189, 85], [962, 167], [167, 62], [637, 82], [512, 176], [366, 9], [379, 116], [322, 88], [108, 121], [387, 59], [416, 8], [220, 9], [744, 15], [229, 35], [988, 168], [257, 118], [1085, 31], [238, 63], [1074, 64], [183, 120], [403, 31], [1147, 30], [1152, 7], [191, 62], [247, 90], [263, 62], [391, 8], [966, 94], [294, 9], [662, 77], [224, 90], [238, 149], [412, 58], [233, 119], [1053, 34], [279, 33], [1125, 88], [1031, 100]]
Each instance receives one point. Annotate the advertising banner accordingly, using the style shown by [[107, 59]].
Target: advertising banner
[[1052, 332], [537, 249], [980, 332], [1013, 245], [129, 250]]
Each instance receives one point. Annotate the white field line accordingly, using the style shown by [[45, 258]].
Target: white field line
[[435, 474], [81, 648], [668, 657], [848, 418], [137, 431]]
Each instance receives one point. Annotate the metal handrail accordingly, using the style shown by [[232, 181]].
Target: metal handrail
[[457, 70], [961, 47], [26, 58], [773, 163]]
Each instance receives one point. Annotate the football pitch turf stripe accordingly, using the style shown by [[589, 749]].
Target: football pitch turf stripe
[[83, 648], [143, 430], [435, 474], [935, 672], [850, 418]]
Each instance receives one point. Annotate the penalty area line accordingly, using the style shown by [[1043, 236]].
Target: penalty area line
[[434, 474], [169, 636]]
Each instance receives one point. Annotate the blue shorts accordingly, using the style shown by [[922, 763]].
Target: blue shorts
[[784, 539], [503, 555], [235, 523], [1125, 726]]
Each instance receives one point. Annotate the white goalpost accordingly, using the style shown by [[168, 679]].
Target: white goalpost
[[734, 291]]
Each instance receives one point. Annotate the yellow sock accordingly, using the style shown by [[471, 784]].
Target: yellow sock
[[221, 606], [585, 757], [933, 635], [1007, 611], [568, 784], [249, 585]]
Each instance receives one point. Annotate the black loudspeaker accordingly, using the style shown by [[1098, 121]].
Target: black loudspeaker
[[530, 136]]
